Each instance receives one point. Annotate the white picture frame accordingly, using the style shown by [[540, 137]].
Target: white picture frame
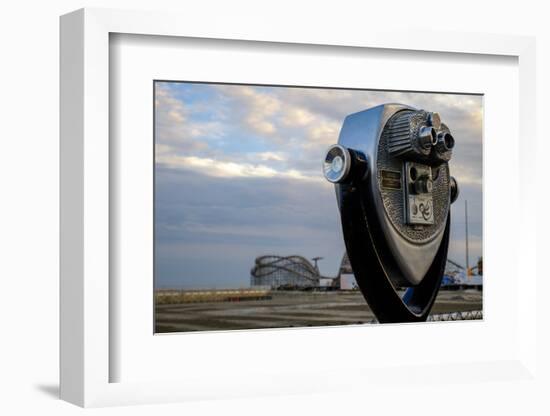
[[86, 292]]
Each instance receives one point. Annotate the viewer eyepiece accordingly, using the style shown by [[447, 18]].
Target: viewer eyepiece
[[427, 137], [445, 140]]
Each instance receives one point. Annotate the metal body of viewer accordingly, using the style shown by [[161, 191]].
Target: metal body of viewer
[[394, 191]]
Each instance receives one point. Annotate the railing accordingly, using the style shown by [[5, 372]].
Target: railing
[[456, 316], [450, 316]]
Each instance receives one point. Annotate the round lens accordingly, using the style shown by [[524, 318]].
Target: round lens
[[337, 164]]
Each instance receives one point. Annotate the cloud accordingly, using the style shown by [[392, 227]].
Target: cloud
[[274, 156], [221, 169], [271, 113], [212, 219], [211, 167], [255, 107], [296, 116], [467, 174], [175, 127], [297, 124]]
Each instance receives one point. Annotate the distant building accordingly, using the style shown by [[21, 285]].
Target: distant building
[[326, 282], [456, 277], [345, 265], [346, 278]]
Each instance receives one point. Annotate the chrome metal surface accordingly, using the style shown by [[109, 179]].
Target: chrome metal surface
[[443, 149], [427, 137], [361, 131]]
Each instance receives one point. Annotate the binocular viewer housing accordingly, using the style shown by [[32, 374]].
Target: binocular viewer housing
[[394, 190]]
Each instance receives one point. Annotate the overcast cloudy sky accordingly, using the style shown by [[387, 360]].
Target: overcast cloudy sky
[[238, 175]]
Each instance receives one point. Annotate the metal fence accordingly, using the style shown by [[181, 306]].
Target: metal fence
[[456, 316], [450, 316]]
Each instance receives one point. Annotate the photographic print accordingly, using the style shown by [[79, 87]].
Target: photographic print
[[287, 206]]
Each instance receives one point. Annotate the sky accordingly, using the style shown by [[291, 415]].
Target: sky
[[238, 175]]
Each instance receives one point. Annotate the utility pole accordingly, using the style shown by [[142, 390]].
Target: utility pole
[[466, 224]]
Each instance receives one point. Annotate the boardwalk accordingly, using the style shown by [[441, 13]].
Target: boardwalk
[[291, 309]]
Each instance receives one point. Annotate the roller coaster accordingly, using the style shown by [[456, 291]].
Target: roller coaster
[[285, 272], [457, 277], [298, 273]]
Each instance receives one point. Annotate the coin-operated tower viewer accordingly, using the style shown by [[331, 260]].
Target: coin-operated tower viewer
[[394, 190]]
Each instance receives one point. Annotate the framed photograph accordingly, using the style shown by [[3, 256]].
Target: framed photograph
[[288, 213]]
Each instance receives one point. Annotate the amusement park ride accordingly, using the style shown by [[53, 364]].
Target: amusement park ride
[[394, 190], [458, 277]]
